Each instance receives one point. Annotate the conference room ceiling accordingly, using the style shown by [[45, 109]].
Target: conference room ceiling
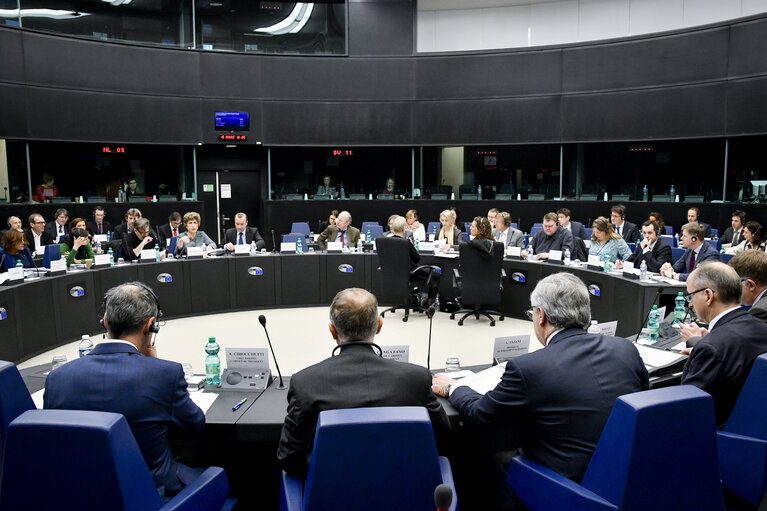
[[446, 5]]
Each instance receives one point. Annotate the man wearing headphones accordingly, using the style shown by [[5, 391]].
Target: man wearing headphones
[[123, 375], [697, 252], [627, 230], [355, 376]]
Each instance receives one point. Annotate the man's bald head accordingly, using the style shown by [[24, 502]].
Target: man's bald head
[[354, 315]]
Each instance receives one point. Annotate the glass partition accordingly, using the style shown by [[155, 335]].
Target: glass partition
[[747, 169]]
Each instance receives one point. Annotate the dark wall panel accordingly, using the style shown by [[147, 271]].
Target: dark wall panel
[[747, 106], [747, 48], [12, 68], [381, 27], [13, 105], [487, 76], [65, 62], [385, 123], [487, 121], [80, 115], [230, 76], [693, 111]]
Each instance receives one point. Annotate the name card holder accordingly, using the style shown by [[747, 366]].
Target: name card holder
[[287, 248], [101, 261], [57, 268], [595, 264], [101, 238], [400, 353], [506, 348], [335, 247], [514, 253], [15, 276], [147, 256], [426, 247], [194, 252], [555, 257], [241, 250]]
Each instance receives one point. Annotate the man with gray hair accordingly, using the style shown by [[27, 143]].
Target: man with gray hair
[[721, 361], [340, 231], [123, 375], [557, 398], [354, 376]]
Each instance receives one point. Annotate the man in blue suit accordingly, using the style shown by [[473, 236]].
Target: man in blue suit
[[693, 215], [577, 228], [123, 375], [697, 252], [557, 398]]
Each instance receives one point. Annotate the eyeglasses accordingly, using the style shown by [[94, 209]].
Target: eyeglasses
[[529, 313], [688, 295]]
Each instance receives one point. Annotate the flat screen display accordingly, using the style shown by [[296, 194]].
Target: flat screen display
[[232, 121]]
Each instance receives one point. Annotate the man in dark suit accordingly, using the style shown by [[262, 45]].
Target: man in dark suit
[[13, 222], [693, 215], [733, 235], [142, 237], [424, 275], [626, 229], [721, 361], [242, 234], [751, 266], [505, 233], [123, 375], [37, 236], [125, 228], [560, 397], [357, 376], [169, 230], [653, 250], [577, 228], [58, 229], [342, 231], [697, 252], [552, 237], [99, 225], [408, 235]]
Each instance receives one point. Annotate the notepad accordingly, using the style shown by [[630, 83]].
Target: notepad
[[203, 399]]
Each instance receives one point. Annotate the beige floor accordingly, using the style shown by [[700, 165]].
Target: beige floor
[[301, 337]]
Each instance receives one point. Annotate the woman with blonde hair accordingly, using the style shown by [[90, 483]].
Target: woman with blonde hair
[[414, 226], [451, 234], [606, 242]]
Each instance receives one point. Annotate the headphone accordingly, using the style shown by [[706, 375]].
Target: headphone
[[694, 238], [349, 343], [154, 327]]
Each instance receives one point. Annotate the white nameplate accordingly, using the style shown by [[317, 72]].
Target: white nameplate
[[242, 249], [335, 246], [101, 238], [431, 236], [148, 254], [511, 346], [400, 353], [608, 328], [661, 312], [192, 252], [315, 237], [426, 247], [627, 266], [16, 274], [247, 360], [102, 260], [439, 243], [594, 260], [60, 265], [288, 247], [515, 251], [555, 255]]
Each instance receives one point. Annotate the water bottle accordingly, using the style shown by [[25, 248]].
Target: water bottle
[[157, 254], [98, 247], [19, 264], [643, 270], [368, 237], [359, 245], [253, 248], [86, 345], [299, 245], [679, 309], [654, 324], [417, 245], [109, 235], [644, 193], [212, 363], [343, 192], [479, 192], [594, 327], [673, 192], [567, 256], [111, 257]]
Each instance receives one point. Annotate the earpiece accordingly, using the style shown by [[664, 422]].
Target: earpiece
[[154, 327]]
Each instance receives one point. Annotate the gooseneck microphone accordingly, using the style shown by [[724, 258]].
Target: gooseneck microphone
[[443, 497], [430, 313], [657, 295], [274, 251], [262, 320]]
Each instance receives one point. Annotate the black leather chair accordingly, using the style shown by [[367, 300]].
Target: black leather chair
[[479, 280], [397, 279]]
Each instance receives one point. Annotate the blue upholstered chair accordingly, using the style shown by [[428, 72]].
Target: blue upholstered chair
[[367, 225], [726, 257], [293, 238], [670, 239], [743, 442], [676, 253], [74, 459], [669, 229], [14, 400], [382, 458], [300, 228], [433, 228], [589, 232], [376, 231], [657, 452]]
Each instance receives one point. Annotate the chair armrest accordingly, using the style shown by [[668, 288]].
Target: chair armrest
[[447, 478], [743, 465], [428, 267], [542, 489], [291, 493], [209, 491]]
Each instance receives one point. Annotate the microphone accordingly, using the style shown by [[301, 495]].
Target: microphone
[[430, 314], [274, 251], [443, 497], [2, 264], [262, 320], [657, 295]]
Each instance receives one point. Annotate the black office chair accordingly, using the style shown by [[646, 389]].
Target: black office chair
[[397, 279], [479, 280]]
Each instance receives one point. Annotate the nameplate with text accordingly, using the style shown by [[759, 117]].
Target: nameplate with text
[[147, 255], [335, 247], [400, 353], [608, 327], [194, 252], [514, 252], [242, 250], [512, 346]]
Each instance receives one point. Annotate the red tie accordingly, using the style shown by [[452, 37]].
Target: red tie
[[175, 233], [342, 238], [100, 229], [692, 262]]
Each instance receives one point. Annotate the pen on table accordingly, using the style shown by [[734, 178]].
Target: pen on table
[[235, 407]]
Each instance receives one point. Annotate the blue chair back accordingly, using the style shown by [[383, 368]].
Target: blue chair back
[[632, 246], [669, 230], [465, 236], [293, 238], [376, 231], [714, 232], [433, 227], [14, 399], [535, 230], [589, 232], [676, 254], [467, 227], [726, 257], [300, 227], [172, 244], [385, 456], [538, 224], [74, 459], [671, 240], [656, 446], [368, 225], [52, 253], [513, 224], [715, 244]]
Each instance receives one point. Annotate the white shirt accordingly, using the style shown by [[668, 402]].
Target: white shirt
[[502, 236], [719, 316], [650, 247], [38, 244], [120, 341], [618, 228], [555, 332]]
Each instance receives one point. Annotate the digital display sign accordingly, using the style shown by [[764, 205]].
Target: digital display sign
[[232, 121]]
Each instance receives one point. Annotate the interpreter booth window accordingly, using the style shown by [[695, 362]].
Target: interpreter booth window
[[9, 13], [272, 27], [691, 169], [747, 169], [16, 159], [70, 172], [342, 172], [167, 23], [493, 171]]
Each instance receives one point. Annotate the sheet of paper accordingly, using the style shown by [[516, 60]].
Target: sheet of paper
[[203, 399], [451, 255], [653, 357], [485, 381], [457, 375], [37, 398]]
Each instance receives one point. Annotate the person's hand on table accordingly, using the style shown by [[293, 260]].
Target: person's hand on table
[[439, 383]]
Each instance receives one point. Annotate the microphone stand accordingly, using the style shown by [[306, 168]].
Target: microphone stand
[[657, 295], [262, 320], [274, 244], [429, 312]]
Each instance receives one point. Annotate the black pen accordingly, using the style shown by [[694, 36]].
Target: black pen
[[235, 407]]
